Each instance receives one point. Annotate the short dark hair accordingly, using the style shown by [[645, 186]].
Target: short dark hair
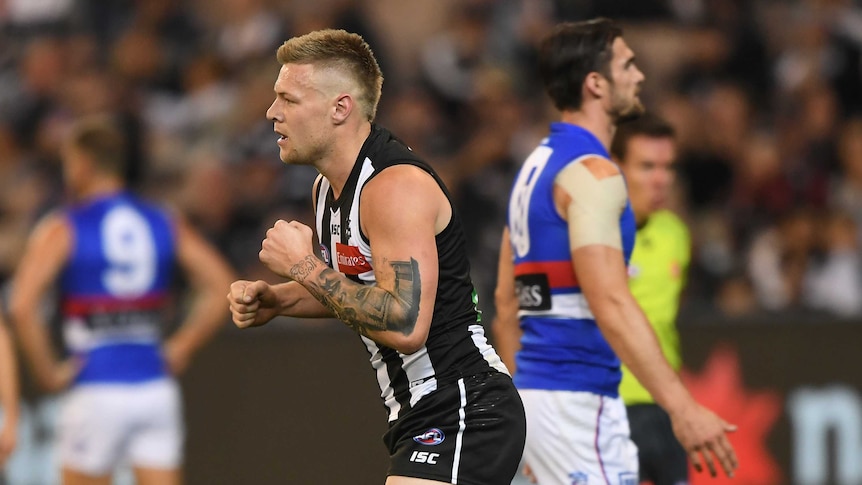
[[648, 125], [102, 141], [570, 52]]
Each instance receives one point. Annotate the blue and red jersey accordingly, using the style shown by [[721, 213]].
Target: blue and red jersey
[[562, 348], [115, 286]]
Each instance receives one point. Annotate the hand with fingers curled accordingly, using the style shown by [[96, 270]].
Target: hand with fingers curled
[[286, 245], [703, 435], [252, 303]]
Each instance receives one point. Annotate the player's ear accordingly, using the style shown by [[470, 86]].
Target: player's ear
[[593, 84], [344, 105]]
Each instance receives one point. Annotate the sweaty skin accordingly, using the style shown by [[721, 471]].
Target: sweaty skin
[[597, 197]]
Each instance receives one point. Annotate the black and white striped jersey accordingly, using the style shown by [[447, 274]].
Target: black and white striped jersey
[[456, 346]]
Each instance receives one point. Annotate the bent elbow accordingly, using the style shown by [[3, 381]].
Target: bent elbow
[[410, 344]]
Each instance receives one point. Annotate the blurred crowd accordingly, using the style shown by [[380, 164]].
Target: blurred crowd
[[766, 97]]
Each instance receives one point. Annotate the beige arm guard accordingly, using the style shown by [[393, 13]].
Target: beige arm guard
[[595, 205]]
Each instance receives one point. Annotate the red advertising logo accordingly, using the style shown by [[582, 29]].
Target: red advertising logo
[[719, 387], [350, 260]]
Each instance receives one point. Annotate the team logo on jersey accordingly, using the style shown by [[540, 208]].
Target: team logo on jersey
[[634, 270], [533, 292], [351, 260], [432, 437], [579, 478], [324, 253]]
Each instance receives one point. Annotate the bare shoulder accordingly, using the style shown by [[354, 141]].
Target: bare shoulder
[[54, 227], [405, 196], [49, 245], [401, 182]]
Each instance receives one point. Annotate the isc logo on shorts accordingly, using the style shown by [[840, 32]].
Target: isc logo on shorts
[[424, 457]]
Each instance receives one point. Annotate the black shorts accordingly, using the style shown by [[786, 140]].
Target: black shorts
[[470, 432], [662, 459]]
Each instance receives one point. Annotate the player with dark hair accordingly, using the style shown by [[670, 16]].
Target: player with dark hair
[[563, 302]]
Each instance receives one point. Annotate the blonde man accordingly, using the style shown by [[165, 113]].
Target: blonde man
[[392, 266]]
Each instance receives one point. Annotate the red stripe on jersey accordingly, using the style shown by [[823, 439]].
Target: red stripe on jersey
[[561, 274], [87, 305]]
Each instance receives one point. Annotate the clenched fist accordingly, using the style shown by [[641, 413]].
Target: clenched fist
[[252, 303], [286, 244]]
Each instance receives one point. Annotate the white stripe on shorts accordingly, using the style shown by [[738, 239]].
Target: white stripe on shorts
[[461, 425]]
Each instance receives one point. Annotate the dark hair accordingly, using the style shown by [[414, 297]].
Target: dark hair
[[572, 51], [342, 50], [102, 141], [648, 125]]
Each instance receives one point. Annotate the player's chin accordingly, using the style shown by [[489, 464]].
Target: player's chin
[[630, 112]]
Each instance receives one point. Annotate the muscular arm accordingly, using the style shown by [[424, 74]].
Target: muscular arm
[[369, 310], [592, 195], [506, 327], [45, 255], [592, 201], [402, 209], [209, 275]]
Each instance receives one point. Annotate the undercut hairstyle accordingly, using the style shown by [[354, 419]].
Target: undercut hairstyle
[[341, 50], [102, 141], [648, 125], [572, 51]]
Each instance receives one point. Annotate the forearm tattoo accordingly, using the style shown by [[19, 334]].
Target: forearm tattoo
[[366, 308]]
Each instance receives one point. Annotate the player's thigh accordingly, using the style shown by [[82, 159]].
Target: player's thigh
[[157, 443], [578, 437], [155, 476], [93, 429], [469, 432]]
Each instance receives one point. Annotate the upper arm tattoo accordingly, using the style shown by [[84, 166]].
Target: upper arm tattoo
[[366, 308]]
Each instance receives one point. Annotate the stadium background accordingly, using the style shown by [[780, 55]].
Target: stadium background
[[765, 96]]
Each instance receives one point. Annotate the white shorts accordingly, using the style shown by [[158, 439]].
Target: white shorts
[[102, 425], [576, 438]]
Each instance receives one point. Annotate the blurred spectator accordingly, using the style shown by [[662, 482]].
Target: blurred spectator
[[762, 95], [451, 59], [735, 297], [249, 30], [833, 283], [846, 190], [779, 260]]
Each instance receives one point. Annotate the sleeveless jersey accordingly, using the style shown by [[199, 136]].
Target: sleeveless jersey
[[656, 279], [456, 345], [114, 287], [562, 348]]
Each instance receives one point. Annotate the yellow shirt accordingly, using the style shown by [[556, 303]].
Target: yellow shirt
[[656, 278]]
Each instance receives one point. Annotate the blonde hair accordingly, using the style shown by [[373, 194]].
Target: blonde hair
[[102, 140], [343, 51]]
